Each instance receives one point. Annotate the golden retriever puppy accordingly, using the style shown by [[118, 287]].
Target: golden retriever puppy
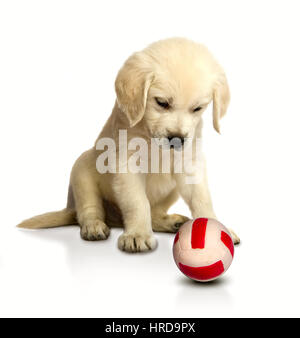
[[162, 93]]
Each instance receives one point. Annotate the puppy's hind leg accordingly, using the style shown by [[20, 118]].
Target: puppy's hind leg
[[161, 221], [89, 208]]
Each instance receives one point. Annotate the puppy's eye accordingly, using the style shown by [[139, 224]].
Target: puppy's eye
[[161, 103], [197, 109]]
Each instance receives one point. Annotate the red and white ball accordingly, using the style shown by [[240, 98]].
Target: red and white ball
[[203, 249]]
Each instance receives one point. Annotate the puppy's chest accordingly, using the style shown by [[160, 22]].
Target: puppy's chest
[[159, 186]]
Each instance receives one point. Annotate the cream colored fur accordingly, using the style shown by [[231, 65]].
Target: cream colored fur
[[184, 73]]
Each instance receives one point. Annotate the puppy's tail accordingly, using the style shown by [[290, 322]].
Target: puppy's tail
[[50, 220]]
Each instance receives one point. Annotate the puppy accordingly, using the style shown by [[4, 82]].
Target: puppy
[[162, 92]]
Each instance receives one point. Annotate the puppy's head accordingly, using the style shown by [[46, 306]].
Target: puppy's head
[[168, 85]]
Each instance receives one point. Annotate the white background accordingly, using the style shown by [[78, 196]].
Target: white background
[[58, 62]]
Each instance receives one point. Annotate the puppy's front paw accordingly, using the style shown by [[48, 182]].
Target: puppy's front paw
[[235, 237], [168, 223], [94, 230], [136, 242]]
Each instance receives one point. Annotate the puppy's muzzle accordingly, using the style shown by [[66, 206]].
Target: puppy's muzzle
[[176, 141]]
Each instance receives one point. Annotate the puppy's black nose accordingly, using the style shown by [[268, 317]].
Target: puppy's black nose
[[176, 138], [176, 141]]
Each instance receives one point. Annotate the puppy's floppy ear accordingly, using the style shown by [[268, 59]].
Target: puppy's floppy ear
[[221, 98], [132, 84]]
